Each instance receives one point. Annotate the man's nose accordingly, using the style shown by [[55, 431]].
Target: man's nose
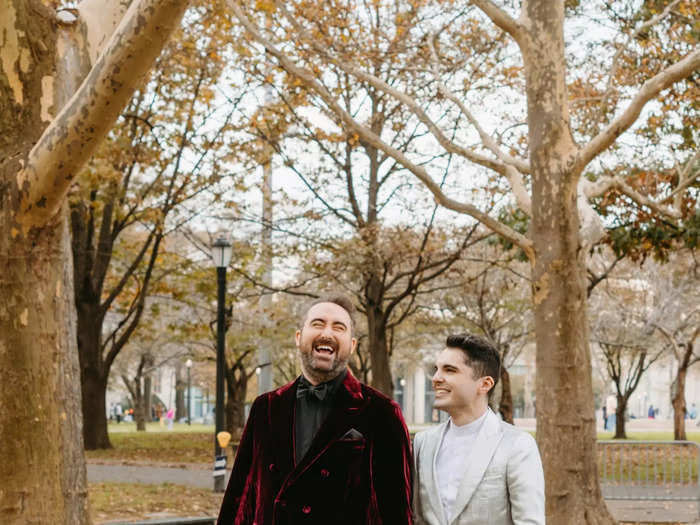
[[437, 377]]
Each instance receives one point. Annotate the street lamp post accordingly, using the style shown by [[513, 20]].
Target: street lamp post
[[188, 364], [221, 252]]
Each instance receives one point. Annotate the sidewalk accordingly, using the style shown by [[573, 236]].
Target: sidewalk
[[201, 476]]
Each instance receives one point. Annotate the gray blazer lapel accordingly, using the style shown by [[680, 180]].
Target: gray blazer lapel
[[487, 442], [431, 447]]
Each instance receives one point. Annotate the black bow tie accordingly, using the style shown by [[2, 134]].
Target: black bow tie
[[318, 391]]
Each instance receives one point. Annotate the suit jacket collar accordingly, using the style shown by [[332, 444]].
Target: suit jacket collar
[[349, 401], [487, 441]]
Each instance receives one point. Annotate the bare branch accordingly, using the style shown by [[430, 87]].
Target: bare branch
[[309, 78], [648, 91], [604, 184], [643, 27], [409, 102], [513, 167], [501, 19], [685, 177]]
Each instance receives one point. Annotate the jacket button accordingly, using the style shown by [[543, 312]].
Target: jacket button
[[325, 473], [271, 467], [306, 509]]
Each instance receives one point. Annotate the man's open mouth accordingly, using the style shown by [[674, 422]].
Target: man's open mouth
[[324, 349]]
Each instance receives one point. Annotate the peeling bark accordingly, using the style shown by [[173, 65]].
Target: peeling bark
[[43, 467], [68, 142]]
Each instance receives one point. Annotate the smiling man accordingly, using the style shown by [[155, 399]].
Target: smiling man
[[474, 468], [324, 449]]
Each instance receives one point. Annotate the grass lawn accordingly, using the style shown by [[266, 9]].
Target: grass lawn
[[158, 445], [134, 502], [657, 435], [128, 427]]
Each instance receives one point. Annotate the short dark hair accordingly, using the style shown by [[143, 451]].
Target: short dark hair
[[341, 300], [479, 354]]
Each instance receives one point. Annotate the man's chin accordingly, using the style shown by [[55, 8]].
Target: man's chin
[[322, 365], [440, 404]]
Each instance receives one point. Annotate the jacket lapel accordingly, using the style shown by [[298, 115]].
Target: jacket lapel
[[349, 403], [281, 424], [432, 447], [487, 442]]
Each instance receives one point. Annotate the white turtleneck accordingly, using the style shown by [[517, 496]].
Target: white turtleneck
[[452, 460]]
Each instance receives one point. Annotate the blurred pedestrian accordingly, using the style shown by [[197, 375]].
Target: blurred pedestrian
[[169, 416]]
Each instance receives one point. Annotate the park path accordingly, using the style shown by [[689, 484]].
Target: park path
[[194, 476]]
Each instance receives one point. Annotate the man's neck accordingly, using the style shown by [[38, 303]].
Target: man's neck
[[467, 415]]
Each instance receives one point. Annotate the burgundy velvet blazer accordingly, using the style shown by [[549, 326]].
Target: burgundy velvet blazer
[[358, 470]]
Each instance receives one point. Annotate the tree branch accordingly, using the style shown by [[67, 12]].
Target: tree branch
[[649, 90], [71, 138], [606, 183], [309, 78], [501, 19], [409, 102], [101, 18]]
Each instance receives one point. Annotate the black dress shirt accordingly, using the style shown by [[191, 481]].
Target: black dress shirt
[[313, 405]]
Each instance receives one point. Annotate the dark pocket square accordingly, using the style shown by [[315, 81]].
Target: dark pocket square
[[352, 434]]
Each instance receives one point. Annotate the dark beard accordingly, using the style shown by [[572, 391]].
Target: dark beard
[[321, 376]]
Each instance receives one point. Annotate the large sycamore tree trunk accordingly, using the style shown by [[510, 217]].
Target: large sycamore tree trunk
[[565, 409], [43, 143]]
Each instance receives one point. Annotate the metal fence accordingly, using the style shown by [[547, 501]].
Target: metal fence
[[649, 470]]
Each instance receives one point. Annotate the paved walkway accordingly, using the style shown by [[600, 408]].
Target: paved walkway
[[201, 476], [151, 475]]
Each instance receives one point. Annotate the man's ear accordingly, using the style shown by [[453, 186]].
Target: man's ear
[[297, 337], [353, 345], [487, 383]]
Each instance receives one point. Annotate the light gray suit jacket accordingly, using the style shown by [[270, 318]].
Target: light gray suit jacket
[[503, 483]]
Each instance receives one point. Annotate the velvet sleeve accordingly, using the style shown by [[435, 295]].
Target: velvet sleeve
[[241, 469], [392, 469]]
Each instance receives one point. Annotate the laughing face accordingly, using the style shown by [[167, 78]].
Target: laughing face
[[325, 342]]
